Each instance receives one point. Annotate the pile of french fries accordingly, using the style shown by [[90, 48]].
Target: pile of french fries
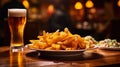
[[59, 40]]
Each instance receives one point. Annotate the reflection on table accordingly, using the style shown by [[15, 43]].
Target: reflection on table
[[30, 58]]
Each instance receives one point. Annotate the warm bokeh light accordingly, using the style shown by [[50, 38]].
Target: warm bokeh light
[[78, 5], [50, 9], [34, 10], [26, 4], [93, 10], [89, 4], [118, 3], [33, 13]]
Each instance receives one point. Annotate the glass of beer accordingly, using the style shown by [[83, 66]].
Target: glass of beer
[[16, 22]]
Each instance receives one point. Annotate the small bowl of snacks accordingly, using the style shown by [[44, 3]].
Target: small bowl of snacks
[[109, 44]]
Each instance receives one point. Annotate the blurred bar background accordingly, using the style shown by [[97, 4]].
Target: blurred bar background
[[97, 18]]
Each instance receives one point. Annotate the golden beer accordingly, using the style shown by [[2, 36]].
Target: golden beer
[[17, 21]]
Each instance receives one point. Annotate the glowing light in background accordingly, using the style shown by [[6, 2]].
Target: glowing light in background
[[33, 13], [78, 5], [89, 4], [118, 3], [34, 10], [93, 10], [50, 9], [26, 4]]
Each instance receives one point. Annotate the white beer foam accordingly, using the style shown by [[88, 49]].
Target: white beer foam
[[17, 12]]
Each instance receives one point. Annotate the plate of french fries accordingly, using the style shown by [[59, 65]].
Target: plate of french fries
[[61, 43]]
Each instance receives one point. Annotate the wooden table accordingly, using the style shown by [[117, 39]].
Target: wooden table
[[29, 58]]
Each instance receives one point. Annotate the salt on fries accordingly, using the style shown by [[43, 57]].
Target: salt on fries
[[59, 40]]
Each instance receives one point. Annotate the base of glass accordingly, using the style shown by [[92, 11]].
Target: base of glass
[[16, 48]]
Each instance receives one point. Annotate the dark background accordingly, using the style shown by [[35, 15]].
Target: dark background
[[101, 21]]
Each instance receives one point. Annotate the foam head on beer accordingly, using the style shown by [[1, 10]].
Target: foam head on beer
[[16, 12]]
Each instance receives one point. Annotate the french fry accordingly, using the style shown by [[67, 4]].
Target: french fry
[[42, 45], [74, 44], [68, 49], [49, 48], [63, 47], [68, 40], [56, 46], [68, 32], [33, 41]]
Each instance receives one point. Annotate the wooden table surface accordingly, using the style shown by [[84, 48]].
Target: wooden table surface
[[30, 58]]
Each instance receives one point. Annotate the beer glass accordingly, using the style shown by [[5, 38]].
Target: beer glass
[[16, 22]]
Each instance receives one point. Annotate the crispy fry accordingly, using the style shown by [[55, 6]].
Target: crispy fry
[[68, 32], [68, 49], [56, 46], [63, 47], [49, 48]]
